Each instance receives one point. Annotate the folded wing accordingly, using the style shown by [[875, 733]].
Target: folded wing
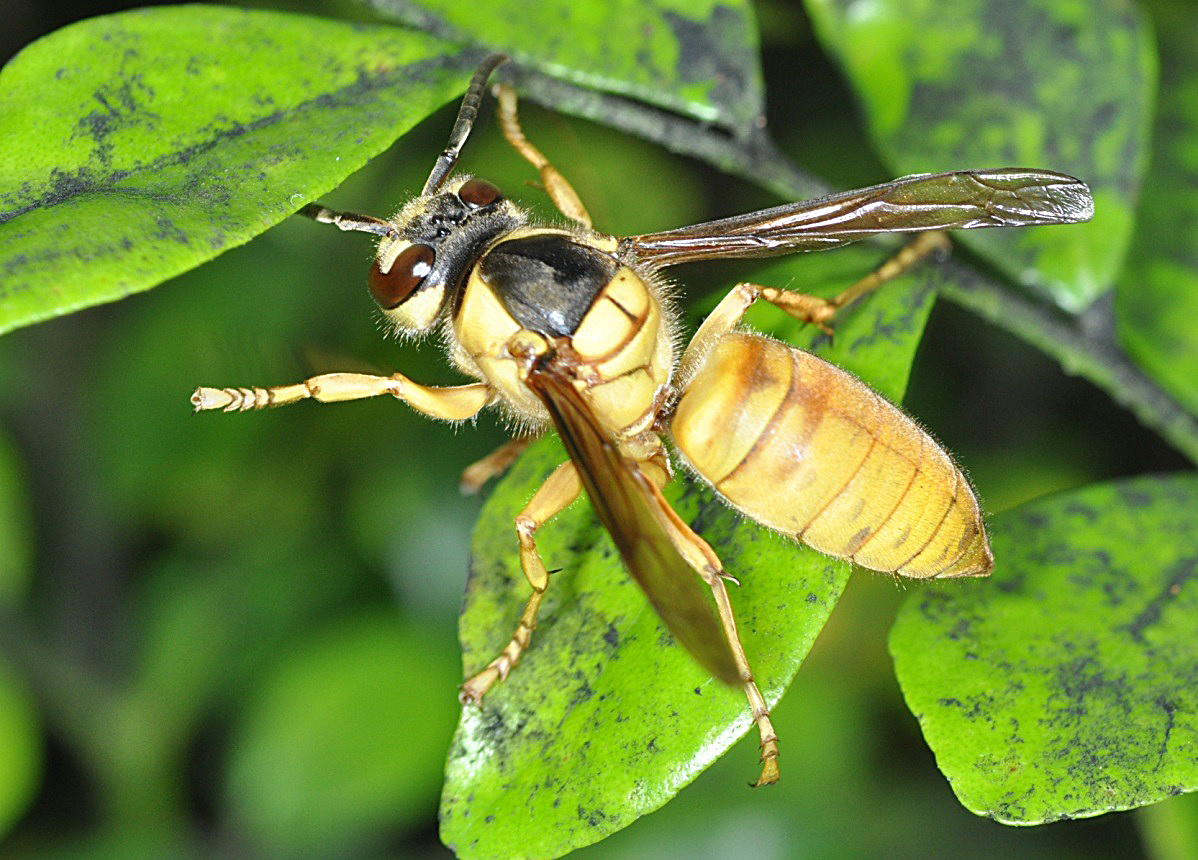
[[963, 200], [621, 497]]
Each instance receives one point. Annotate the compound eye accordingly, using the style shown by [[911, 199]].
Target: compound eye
[[478, 193], [408, 271]]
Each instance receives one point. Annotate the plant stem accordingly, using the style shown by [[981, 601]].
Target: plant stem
[[1083, 345]]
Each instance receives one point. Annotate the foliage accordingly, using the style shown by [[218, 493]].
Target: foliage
[[236, 629]]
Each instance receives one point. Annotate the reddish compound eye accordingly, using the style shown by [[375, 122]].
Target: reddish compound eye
[[408, 271], [478, 192]]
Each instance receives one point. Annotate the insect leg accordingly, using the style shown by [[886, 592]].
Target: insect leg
[[699, 555], [492, 465], [726, 316], [813, 309], [557, 493], [559, 190], [455, 403]]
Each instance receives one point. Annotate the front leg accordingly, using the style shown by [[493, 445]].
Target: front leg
[[560, 191], [456, 403]]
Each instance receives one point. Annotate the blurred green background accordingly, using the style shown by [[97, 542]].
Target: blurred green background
[[234, 636]]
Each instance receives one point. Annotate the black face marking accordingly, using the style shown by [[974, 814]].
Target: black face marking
[[547, 283], [458, 233]]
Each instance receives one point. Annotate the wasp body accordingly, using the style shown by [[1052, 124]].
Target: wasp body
[[570, 327]]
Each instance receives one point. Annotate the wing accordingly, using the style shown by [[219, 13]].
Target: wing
[[939, 201], [620, 495]]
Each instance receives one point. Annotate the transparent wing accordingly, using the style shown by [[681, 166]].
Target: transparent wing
[[621, 497], [934, 201]]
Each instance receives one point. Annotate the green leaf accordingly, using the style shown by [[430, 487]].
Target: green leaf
[[20, 749], [697, 57], [346, 737], [606, 719], [1156, 299], [1065, 686], [1066, 85], [138, 145], [262, 593]]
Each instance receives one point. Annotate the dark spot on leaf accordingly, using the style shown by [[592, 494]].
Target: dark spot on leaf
[[582, 693], [1135, 498], [1034, 520], [166, 230], [1078, 509], [1170, 709], [698, 691], [1011, 584], [962, 629], [612, 636], [711, 509], [593, 818], [1176, 577], [712, 52]]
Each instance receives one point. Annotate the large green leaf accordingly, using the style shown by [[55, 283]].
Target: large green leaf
[[1156, 298], [1067, 685], [135, 146], [345, 738], [694, 56], [606, 718], [1066, 85]]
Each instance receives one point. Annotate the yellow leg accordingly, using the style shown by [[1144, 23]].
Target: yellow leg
[[557, 493], [447, 404], [813, 309], [699, 555], [492, 465], [559, 190], [809, 309]]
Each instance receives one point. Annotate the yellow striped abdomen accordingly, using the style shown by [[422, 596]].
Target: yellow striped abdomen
[[811, 451]]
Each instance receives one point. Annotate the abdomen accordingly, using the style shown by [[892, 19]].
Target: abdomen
[[811, 451]]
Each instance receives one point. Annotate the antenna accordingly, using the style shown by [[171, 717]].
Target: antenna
[[465, 122]]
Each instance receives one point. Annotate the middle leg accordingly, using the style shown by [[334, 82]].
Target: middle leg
[[492, 465], [557, 493]]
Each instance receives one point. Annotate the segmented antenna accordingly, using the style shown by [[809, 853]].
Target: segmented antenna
[[465, 122], [349, 220]]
